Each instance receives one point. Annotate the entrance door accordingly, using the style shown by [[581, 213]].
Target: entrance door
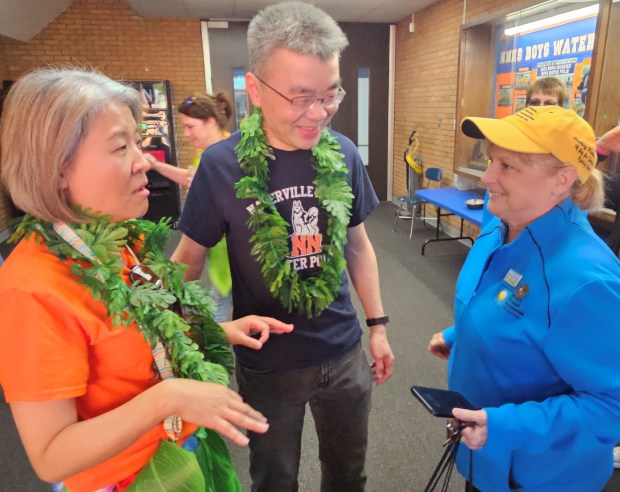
[[363, 114], [228, 53]]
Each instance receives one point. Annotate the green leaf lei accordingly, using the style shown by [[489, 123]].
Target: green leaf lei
[[196, 345], [309, 295]]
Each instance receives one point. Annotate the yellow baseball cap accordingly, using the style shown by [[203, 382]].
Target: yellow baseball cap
[[541, 130]]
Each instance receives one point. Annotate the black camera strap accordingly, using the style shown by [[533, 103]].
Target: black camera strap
[[446, 464]]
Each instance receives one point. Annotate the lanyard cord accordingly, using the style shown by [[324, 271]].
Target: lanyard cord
[[470, 481], [172, 424], [446, 465]]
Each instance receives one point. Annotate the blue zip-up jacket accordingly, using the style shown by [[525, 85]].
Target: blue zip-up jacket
[[536, 343]]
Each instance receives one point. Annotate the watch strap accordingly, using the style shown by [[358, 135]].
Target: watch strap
[[383, 320]]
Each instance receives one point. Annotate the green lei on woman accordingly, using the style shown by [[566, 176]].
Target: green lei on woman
[[196, 345], [308, 295]]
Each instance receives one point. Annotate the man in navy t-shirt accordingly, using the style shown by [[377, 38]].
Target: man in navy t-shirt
[[295, 81]]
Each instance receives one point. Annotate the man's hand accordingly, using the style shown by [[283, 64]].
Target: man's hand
[[244, 331], [381, 352]]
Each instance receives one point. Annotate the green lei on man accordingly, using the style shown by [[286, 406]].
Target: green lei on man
[[308, 295]]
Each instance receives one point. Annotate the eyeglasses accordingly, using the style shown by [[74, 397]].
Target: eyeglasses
[[302, 104]]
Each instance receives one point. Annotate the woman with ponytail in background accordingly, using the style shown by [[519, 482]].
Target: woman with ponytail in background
[[204, 119]]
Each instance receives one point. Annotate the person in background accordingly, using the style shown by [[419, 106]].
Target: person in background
[[204, 119], [535, 335], [546, 91], [583, 86], [89, 304], [291, 197]]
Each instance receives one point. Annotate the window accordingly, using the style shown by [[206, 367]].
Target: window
[[544, 41], [363, 116], [240, 95], [502, 56]]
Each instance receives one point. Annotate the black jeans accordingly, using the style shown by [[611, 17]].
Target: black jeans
[[338, 393]]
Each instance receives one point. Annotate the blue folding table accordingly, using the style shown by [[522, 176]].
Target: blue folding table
[[451, 201]]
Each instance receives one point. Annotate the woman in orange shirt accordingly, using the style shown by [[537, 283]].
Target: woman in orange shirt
[[108, 360]]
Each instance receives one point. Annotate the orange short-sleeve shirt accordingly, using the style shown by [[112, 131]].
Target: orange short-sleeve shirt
[[57, 342]]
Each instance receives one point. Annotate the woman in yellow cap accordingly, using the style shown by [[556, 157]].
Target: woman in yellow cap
[[535, 339]]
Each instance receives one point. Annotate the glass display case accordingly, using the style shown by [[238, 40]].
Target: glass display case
[[501, 57]]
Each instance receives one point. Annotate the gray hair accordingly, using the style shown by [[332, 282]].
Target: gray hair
[[47, 115], [297, 26]]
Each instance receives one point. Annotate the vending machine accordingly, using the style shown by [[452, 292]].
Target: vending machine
[[158, 140]]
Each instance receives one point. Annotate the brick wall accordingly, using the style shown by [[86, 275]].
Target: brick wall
[[426, 83], [106, 34], [3, 65]]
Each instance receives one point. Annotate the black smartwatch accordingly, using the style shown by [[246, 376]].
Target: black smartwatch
[[383, 320]]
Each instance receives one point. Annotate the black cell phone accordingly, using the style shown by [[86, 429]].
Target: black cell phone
[[440, 402]]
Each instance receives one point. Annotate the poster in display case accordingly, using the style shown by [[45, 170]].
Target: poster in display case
[[158, 140], [562, 50]]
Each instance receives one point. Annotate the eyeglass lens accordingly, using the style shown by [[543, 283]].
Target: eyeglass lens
[[304, 103]]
